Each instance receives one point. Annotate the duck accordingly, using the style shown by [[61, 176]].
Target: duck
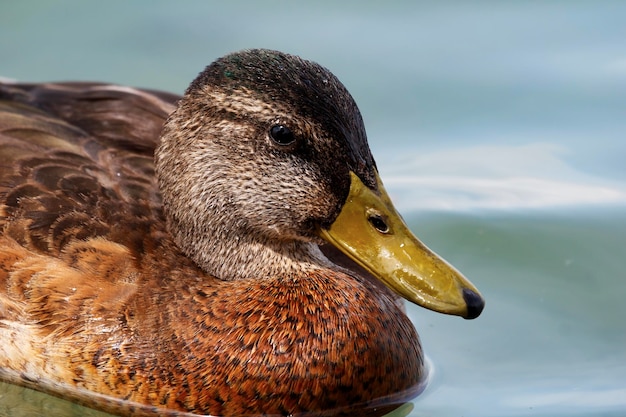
[[230, 252]]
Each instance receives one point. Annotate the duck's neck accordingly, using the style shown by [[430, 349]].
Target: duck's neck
[[229, 255]]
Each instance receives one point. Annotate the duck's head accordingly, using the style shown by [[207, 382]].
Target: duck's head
[[266, 157]]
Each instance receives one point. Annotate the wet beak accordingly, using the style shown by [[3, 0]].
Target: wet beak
[[370, 231]]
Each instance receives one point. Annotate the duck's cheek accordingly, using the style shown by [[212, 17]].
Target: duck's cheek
[[297, 215]]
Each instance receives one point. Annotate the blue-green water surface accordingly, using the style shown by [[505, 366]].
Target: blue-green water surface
[[498, 128]]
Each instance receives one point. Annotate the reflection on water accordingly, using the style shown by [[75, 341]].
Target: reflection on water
[[21, 402], [493, 177]]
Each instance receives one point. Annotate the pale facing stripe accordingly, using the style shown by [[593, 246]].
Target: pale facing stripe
[[242, 101]]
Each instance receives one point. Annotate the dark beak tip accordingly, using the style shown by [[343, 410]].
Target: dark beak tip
[[475, 304]]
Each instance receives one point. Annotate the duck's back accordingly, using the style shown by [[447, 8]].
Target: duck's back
[[77, 154], [77, 163]]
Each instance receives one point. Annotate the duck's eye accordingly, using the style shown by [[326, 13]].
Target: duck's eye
[[282, 135], [379, 223]]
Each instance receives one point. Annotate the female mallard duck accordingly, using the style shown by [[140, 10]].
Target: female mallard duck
[[196, 282]]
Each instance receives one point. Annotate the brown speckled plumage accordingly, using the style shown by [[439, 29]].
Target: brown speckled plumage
[[227, 307]]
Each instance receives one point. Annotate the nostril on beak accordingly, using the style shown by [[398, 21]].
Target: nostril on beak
[[379, 223]]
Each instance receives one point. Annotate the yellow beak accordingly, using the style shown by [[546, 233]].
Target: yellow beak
[[371, 232]]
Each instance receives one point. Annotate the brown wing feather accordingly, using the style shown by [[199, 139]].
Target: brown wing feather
[[77, 162], [78, 196]]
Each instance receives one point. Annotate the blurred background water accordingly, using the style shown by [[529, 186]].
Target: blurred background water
[[498, 127]]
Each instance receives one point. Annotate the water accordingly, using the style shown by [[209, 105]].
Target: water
[[498, 129]]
